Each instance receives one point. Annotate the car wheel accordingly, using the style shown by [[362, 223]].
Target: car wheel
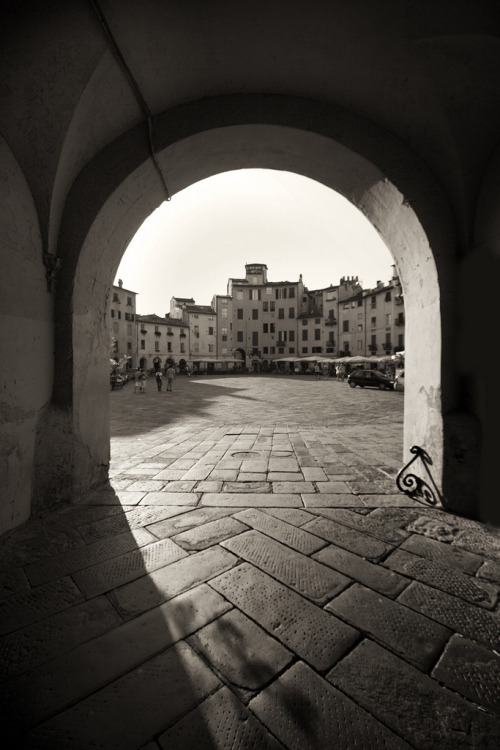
[[353, 385], [381, 386]]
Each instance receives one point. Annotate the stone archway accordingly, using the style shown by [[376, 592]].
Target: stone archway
[[376, 174]]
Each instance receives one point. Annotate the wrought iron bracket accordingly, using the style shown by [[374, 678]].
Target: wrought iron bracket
[[414, 486]]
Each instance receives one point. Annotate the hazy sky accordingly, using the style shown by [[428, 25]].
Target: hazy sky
[[191, 245]]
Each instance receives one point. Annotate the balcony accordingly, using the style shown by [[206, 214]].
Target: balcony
[[143, 331], [400, 321], [157, 333], [372, 347], [331, 322], [399, 299], [182, 335]]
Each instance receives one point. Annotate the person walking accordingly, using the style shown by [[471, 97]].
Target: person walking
[[317, 370], [137, 380], [159, 379], [170, 373], [142, 382]]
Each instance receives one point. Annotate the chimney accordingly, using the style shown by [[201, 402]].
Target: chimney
[[120, 283]]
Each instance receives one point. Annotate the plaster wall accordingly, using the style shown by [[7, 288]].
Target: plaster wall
[[26, 342]]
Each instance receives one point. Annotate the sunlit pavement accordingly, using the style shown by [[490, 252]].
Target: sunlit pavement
[[252, 579]]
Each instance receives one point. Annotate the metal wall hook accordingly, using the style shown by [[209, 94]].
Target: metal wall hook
[[416, 487]]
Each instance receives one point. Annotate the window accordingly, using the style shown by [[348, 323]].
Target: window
[[196, 347], [265, 306], [255, 338], [272, 306], [291, 292], [401, 340], [272, 350], [239, 335], [360, 303], [224, 349], [281, 350], [281, 292], [374, 301], [360, 326], [169, 346], [317, 334], [330, 296], [266, 350], [374, 322], [119, 315], [317, 321], [269, 290], [291, 335], [183, 347], [346, 305], [387, 296], [360, 345], [291, 350], [304, 334], [197, 332], [129, 329], [129, 301], [281, 313], [346, 346], [224, 312], [239, 313], [304, 322], [116, 297], [265, 328], [304, 350], [129, 346], [255, 314], [210, 331], [112, 313], [291, 312], [196, 316], [143, 343], [210, 347], [224, 334], [271, 328], [345, 326], [254, 294], [156, 329], [388, 319], [157, 346], [239, 294]]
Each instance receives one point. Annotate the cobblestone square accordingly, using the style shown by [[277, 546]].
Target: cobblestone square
[[251, 562]]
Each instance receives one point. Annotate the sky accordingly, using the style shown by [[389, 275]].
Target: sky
[[191, 245]]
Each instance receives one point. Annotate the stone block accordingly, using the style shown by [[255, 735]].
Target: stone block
[[241, 651], [441, 577], [305, 712], [251, 500], [33, 605], [220, 721], [151, 590], [459, 616], [471, 670], [71, 676], [131, 710], [298, 539], [350, 539], [109, 574], [415, 638], [373, 576], [315, 635], [209, 534], [443, 553], [412, 704], [308, 577]]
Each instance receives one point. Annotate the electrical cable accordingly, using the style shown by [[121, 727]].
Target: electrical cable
[[136, 90]]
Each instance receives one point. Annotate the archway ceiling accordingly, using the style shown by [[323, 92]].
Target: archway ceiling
[[430, 78]]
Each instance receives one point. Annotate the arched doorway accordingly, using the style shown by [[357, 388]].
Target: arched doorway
[[395, 193]]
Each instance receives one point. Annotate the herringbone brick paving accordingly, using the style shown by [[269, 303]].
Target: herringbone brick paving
[[251, 578]]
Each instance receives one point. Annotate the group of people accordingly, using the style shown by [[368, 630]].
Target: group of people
[[140, 377]]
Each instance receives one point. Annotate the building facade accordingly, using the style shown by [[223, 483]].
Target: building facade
[[122, 325], [161, 339]]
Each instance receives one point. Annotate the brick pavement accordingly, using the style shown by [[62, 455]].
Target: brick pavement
[[251, 577]]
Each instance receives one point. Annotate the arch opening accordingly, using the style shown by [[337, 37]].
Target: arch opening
[[430, 390]]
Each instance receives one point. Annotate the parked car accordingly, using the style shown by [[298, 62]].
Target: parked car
[[399, 381], [370, 379]]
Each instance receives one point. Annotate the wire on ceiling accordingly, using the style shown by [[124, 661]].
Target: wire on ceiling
[[137, 92]]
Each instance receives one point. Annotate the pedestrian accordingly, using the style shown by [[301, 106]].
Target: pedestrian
[[317, 370], [170, 376], [142, 382], [137, 380], [159, 379]]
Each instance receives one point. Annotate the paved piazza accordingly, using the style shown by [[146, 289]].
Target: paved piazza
[[251, 578]]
